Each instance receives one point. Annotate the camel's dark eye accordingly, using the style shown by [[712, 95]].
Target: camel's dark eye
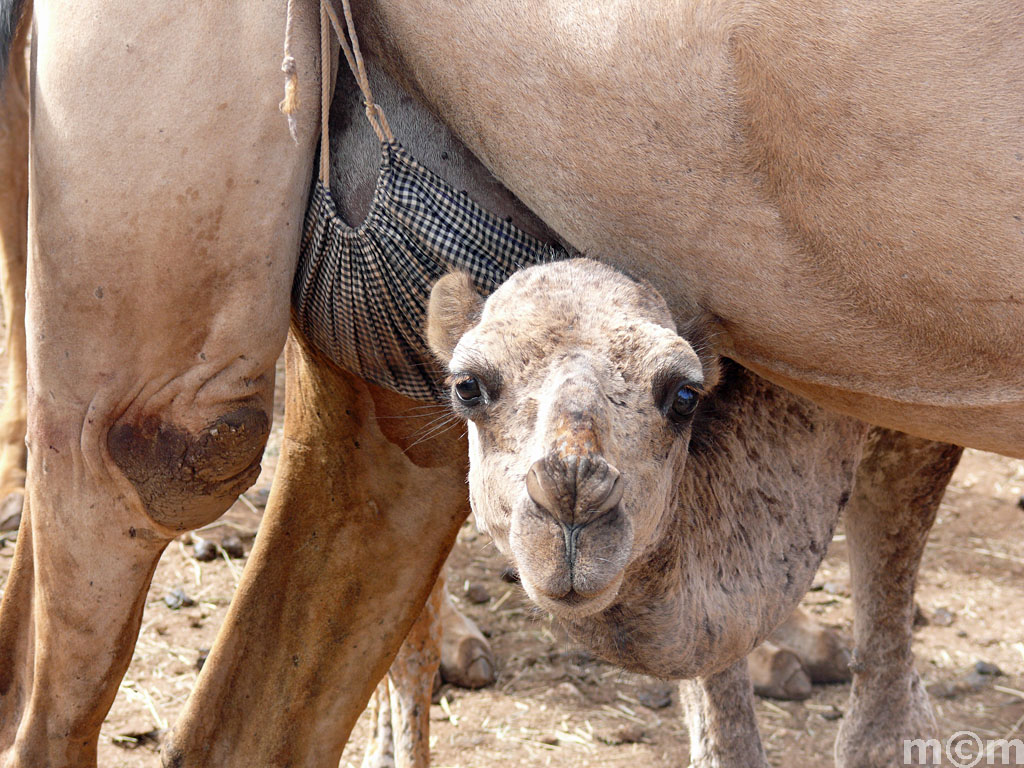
[[468, 391], [683, 404]]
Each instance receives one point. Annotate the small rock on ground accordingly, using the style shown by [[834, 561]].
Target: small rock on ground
[[987, 668], [629, 734], [178, 599], [655, 698], [232, 546], [477, 594], [943, 617], [10, 511], [204, 550]]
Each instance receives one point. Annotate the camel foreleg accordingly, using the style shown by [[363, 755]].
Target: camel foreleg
[[358, 525], [719, 713], [900, 483]]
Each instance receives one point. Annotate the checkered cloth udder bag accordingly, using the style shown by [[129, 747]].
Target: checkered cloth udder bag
[[360, 293]]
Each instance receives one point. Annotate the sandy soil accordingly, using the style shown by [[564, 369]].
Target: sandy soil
[[554, 705]]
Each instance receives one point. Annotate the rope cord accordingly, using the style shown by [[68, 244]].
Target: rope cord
[[354, 55], [290, 104], [326, 71]]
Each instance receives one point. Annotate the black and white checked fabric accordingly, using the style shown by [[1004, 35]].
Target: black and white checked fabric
[[360, 294]]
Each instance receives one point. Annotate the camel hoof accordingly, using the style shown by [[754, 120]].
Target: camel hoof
[[10, 510], [787, 679], [881, 719], [835, 668], [469, 663]]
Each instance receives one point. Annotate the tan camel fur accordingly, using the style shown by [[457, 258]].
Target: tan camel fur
[[836, 188], [671, 515]]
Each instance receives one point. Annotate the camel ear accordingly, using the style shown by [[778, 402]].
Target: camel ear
[[454, 308]]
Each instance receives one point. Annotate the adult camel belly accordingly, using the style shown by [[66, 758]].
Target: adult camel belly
[[840, 186]]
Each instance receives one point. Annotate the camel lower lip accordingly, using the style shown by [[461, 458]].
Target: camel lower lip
[[572, 597], [574, 605]]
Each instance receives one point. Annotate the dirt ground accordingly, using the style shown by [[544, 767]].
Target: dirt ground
[[554, 705]]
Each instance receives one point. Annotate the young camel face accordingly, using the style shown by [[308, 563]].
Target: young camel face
[[579, 394]]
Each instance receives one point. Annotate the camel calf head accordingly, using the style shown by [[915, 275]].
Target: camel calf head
[[579, 394]]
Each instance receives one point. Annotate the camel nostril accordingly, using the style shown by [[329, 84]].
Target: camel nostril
[[614, 495], [538, 486]]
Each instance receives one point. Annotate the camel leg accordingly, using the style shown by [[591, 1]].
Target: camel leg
[[401, 702], [720, 717], [358, 525], [411, 679], [400, 706], [821, 651], [380, 752], [899, 486], [13, 250], [157, 304]]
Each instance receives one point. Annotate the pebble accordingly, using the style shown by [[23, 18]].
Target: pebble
[[987, 668], [655, 698], [943, 617], [833, 588], [628, 734], [10, 511], [204, 550], [232, 546], [177, 598], [832, 714], [944, 690], [976, 680], [548, 739], [477, 594]]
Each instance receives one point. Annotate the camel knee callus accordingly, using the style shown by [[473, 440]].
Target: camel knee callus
[[185, 479]]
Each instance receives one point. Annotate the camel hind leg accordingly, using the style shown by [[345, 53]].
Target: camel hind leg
[[402, 698], [899, 486], [442, 640]]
